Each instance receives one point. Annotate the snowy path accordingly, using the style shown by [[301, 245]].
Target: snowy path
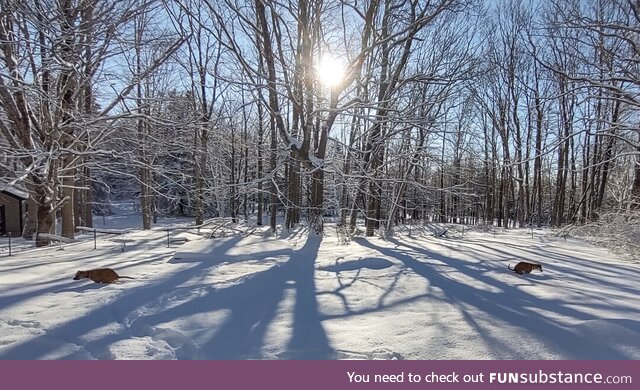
[[259, 297]]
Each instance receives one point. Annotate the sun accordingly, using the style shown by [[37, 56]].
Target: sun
[[330, 71]]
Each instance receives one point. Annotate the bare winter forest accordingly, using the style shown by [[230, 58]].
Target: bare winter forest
[[514, 113]]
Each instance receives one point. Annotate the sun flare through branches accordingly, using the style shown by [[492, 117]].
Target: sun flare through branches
[[330, 71]]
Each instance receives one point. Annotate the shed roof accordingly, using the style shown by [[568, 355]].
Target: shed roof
[[14, 191]]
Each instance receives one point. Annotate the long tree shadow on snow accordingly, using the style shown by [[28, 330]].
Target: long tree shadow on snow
[[251, 303], [63, 283], [510, 306], [73, 331], [566, 263]]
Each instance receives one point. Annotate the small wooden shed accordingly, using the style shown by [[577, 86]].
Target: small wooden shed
[[12, 210]]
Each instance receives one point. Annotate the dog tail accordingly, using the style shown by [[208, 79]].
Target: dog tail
[[125, 277]]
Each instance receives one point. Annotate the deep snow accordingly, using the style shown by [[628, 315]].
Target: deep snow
[[247, 295]]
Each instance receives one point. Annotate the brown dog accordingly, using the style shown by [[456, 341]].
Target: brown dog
[[525, 268], [100, 275]]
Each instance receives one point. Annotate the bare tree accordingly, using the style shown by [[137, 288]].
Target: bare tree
[[48, 67]]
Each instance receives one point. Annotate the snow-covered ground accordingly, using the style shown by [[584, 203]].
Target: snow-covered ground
[[247, 295]]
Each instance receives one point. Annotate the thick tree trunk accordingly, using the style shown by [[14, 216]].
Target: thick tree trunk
[[44, 198], [316, 222], [31, 222], [294, 195]]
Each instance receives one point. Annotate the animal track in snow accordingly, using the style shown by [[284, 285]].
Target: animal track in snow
[[25, 323]]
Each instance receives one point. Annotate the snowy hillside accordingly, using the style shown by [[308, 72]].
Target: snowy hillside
[[251, 296]]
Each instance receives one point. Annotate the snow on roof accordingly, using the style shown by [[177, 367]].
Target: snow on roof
[[12, 190]]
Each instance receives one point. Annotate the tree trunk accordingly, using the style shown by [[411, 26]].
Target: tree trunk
[[294, 194], [78, 199], [88, 199], [259, 173], [232, 198], [146, 197], [68, 192], [635, 190], [31, 223], [199, 154], [44, 197], [316, 222], [346, 171], [537, 165], [144, 176], [608, 153], [273, 207]]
